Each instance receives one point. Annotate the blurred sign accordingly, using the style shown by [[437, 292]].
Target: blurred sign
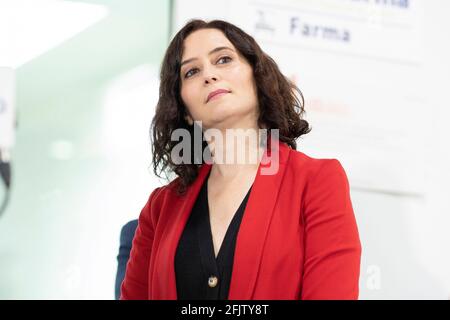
[[359, 65], [7, 101]]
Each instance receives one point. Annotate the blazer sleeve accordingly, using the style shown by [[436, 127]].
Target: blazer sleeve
[[135, 284], [332, 245]]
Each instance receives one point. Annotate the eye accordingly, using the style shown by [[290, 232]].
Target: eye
[[224, 58], [187, 73]]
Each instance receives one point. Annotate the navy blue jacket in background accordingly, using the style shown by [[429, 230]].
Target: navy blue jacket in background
[[126, 239]]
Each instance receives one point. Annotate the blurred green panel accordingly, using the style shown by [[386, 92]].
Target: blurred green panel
[[58, 204]]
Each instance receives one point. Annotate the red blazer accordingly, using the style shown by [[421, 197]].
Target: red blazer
[[298, 238]]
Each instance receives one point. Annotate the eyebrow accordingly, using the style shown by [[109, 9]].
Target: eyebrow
[[210, 53]]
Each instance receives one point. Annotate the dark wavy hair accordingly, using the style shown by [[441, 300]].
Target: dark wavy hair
[[279, 106]]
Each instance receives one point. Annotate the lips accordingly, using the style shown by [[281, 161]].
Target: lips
[[216, 92]]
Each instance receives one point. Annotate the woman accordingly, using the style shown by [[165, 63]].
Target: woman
[[280, 227]]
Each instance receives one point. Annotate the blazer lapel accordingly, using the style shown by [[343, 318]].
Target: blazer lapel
[[255, 224], [164, 280]]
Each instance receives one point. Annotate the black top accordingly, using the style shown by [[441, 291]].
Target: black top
[[199, 274]]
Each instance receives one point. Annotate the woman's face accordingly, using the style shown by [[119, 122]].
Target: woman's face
[[208, 69]]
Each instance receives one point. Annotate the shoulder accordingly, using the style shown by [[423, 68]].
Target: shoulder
[[161, 199], [159, 194], [324, 182], [315, 168]]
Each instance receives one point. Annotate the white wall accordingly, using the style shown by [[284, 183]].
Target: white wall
[[406, 238], [80, 163]]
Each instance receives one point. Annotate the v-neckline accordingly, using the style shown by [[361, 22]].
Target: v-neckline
[[232, 222]]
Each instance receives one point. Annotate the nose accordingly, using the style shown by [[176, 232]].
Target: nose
[[209, 74], [210, 79]]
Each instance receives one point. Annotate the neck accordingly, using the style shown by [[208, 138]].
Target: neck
[[235, 152]]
